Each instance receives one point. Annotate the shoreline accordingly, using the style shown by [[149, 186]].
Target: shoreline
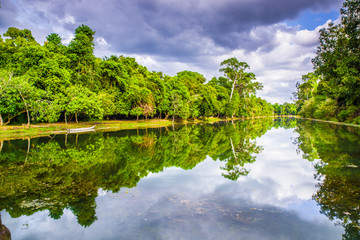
[[48, 129], [333, 122]]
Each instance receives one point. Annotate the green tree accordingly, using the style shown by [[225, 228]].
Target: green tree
[[243, 81], [83, 100], [81, 53], [336, 94], [235, 72]]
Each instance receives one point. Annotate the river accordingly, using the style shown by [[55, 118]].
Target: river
[[265, 179]]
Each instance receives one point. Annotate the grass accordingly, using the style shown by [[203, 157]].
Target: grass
[[47, 129], [37, 130]]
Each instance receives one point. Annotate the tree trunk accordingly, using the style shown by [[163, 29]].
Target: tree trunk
[[28, 149], [1, 120], [233, 149], [65, 118], [173, 116], [160, 115], [76, 119], [232, 91], [27, 110], [233, 87]]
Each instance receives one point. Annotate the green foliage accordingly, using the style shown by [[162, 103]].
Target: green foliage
[[70, 80], [83, 100], [325, 109], [308, 109], [337, 61], [14, 33], [241, 80], [285, 109]]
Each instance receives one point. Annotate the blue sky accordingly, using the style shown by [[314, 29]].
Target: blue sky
[[310, 19], [277, 38]]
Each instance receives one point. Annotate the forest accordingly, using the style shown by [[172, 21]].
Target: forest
[[332, 91], [53, 82]]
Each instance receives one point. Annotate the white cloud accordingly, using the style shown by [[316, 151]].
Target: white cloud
[[192, 35]]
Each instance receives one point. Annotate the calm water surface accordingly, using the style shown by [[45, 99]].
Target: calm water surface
[[258, 179]]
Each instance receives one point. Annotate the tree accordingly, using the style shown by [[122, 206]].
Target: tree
[[17, 96], [235, 72], [14, 33], [81, 53], [83, 100], [243, 81], [333, 90]]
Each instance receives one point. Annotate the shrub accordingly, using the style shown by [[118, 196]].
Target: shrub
[[326, 109], [308, 108], [346, 113], [356, 120]]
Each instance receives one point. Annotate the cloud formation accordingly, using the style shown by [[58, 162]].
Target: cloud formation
[[170, 34]]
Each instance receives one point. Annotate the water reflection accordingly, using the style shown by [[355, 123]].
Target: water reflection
[[67, 173], [61, 177], [4, 231], [338, 191]]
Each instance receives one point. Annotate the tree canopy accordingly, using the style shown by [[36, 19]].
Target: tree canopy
[[56, 82], [332, 91]]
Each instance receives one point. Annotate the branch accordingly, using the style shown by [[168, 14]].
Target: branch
[[9, 118]]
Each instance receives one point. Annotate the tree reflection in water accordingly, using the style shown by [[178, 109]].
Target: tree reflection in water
[[335, 151], [4, 231], [66, 172]]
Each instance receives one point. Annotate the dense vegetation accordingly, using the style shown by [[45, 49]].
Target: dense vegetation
[[53, 82], [332, 91]]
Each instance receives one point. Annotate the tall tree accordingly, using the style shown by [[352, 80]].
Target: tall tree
[[243, 81], [81, 53]]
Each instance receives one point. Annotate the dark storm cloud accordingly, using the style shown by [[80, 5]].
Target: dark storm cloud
[[227, 22], [8, 13], [172, 27]]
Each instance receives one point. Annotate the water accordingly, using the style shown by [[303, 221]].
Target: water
[[258, 179]]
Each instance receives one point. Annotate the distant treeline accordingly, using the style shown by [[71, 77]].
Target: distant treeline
[[332, 91], [53, 82]]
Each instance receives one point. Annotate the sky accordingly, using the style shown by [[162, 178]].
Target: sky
[[277, 38]]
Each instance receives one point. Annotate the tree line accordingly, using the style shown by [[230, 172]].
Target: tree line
[[332, 91], [54, 82]]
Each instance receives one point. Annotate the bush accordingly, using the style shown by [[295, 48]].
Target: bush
[[308, 109], [326, 109], [356, 120], [347, 113]]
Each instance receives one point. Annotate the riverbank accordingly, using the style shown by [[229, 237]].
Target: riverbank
[[333, 122], [45, 129], [48, 129]]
